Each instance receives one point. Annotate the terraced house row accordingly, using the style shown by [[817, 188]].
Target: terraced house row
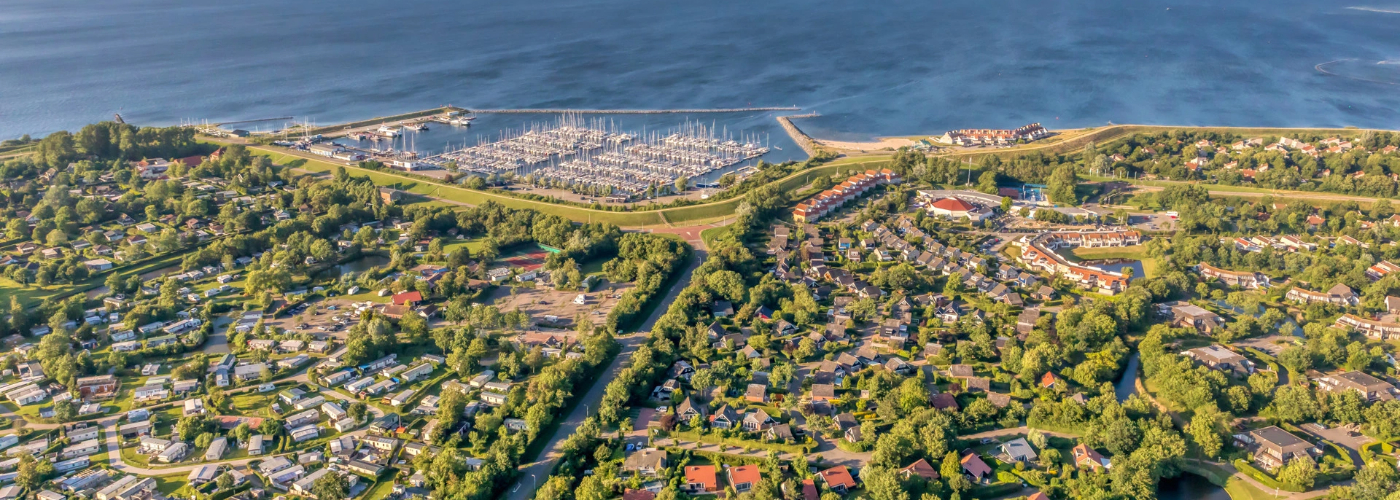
[[831, 199], [1038, 253]]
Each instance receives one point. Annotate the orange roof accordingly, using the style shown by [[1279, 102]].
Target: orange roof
[[1038, 496], [407, 298], [953, 205], [703, 475], [838, 476], [1048, 380], [744, 474]]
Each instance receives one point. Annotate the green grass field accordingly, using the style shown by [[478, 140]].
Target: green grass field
[[1138, 252]]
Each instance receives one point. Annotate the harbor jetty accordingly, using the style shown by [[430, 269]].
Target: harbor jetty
[[633, 111], [803, 140]]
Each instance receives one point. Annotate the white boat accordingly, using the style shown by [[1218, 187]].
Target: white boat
[[387, 131]]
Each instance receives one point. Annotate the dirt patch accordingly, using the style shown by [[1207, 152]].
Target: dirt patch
[[543, 302]]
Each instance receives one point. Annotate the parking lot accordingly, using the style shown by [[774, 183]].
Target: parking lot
[[323, 318], [1348, 437]]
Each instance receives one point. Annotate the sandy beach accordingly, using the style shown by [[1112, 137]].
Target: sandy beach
[[890, 143]]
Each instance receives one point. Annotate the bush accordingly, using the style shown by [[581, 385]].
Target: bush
[[1263, 477]]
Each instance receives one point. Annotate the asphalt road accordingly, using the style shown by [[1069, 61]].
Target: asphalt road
[[535, 473]]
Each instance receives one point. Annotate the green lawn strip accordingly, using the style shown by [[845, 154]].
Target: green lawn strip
[[737, 442]]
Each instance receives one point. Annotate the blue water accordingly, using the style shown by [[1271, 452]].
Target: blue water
[[872, 68]]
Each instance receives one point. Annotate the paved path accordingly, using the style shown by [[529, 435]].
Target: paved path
[[535, 473]]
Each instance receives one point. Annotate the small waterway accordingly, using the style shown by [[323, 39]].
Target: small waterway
[[1190, 487], [1297, 329], [363, 264], [1127, 386]]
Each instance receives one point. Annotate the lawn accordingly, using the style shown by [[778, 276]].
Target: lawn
[[173, 483], [1136, 252]]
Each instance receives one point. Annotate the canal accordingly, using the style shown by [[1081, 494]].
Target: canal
[[1190, 487], [1127, 385]]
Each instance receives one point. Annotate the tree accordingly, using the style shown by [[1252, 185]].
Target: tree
[[987, 182], [883, 484], [357, 410], [242, 432], [331, 486], [1006, 204], [1204, 430], [681, 183], [1298, 473], [1060, 187], [32, 472], [225, 481], [951, 466]]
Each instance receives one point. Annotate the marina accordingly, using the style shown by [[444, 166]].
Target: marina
[[598, 157]]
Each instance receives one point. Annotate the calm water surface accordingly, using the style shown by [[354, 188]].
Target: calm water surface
[[1190, 487], [884, 67]]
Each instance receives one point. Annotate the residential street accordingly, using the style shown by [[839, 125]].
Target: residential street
[[533, 473]]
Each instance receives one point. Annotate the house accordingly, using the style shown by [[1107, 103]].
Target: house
[[203, 474], [1218, 357], [1018, 450], [1370, 388], [1187, 315], [921, 469], [173, 453], [646, 462], [98, 387], [1338, 295], [743, 477], [407, 298], [216, 450], [1277, 447], [779, 432], [688, 410], [700, 479], [756, 393], [1086, 457], [756, 421], [724, 418], [838, 479], [973, 466], [81, 449]]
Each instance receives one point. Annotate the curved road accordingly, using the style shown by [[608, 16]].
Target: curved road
[[531, 474]]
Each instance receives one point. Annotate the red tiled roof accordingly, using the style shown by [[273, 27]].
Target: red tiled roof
[[838, 476], [744, 474], [703, 475], [953, 205], [407, 298]]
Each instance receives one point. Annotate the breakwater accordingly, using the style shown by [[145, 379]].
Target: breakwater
[[631, 111], [802, 139]]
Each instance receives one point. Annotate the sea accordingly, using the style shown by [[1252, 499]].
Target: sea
[[870, 68]]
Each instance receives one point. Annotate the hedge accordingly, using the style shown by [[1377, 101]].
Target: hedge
[[221, 495], [995, 490], [1264, 478]]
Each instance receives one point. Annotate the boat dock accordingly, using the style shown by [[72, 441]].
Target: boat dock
[[593, 157]]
